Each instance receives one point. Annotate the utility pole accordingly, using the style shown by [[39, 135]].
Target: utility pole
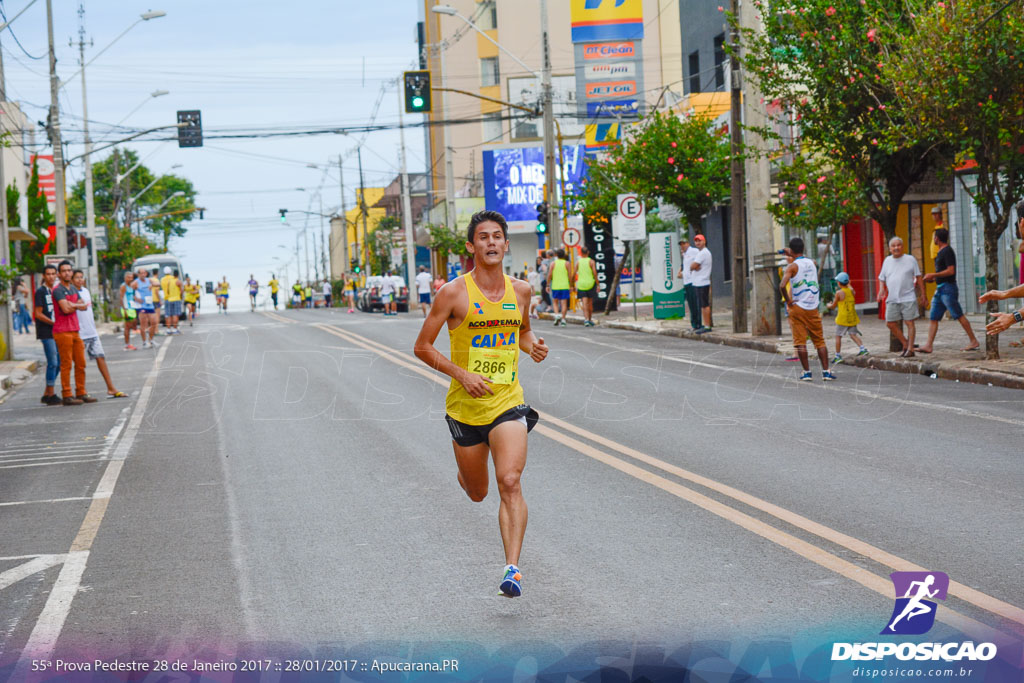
[[54, 131], [362, 209], [765, 308], [90, 206], [550, 182], [344, 219], [5, 241], [410, 247], [449, 172], [323, 242], [737, 221]]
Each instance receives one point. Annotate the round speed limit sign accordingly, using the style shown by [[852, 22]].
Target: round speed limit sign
[[571, 237]]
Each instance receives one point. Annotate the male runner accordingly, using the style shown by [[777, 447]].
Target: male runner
[[147, 301], [171, 289], [191, 299], [254, 288], [423, 289], [488, 320], [274, 286], [128, 310], [222, 295]]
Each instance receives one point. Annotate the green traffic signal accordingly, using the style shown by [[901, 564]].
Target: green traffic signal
[[417, 91], [417, 102], [542, 228]]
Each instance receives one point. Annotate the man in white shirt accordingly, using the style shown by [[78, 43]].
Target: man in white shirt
[[689, 253], [423, 289], [90, 336], [902, 290], [700, 280], [387, 292]]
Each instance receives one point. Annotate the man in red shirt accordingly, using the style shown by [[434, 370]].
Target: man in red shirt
[[65, 332]]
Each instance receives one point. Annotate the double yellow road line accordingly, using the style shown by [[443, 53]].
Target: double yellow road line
[[565, 433]]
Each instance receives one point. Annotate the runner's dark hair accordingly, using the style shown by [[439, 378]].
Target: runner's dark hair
[[796, 245], [942, 234], [482, 216]]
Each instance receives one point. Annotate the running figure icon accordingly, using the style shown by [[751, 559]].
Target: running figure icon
[[915, 607]]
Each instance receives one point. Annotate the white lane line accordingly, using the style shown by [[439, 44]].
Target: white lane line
[[51, 500], [22, 571], [13, 453], [49, 464], [58, 456], [832, 387], [43, 639]]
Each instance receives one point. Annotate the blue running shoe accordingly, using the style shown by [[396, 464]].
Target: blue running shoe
[[510, 586], [806, 377], [827, 376]]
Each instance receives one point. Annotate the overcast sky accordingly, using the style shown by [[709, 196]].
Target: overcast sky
[[245, 65]]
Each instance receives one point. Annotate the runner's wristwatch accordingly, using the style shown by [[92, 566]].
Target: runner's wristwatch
[[1018, 317]]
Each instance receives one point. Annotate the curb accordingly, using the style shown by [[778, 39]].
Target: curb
[[928, 369], [10, 382]]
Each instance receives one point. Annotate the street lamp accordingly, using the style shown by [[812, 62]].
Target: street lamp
[[545, 78], [90, 207], [153, 95]]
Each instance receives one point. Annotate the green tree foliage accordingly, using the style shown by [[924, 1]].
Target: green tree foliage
[[113, 208], [679, 159], [382, 239], [959, 75], [447, 242], [39, 220], [819, 66], [813, 196]]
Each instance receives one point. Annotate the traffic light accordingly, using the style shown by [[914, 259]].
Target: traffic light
[[191, 133], [355, 266], [417, 92], [542, 218], [284, 215]]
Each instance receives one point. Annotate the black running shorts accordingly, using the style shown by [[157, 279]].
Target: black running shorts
[[471, 435]]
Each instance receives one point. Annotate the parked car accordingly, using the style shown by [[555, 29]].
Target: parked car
[[369, 301]]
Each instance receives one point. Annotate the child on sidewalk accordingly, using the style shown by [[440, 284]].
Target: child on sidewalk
[[846, 317]]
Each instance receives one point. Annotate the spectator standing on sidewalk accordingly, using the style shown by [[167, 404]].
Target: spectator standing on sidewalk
[[1003, 321], [90, 335], [700, 280], [688, 254], [902, 290], [21, 293], [43, 313], [802, 300], [65, 330], [846, 317], [947, 296]]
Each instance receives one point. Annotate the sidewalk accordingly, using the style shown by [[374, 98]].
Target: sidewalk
[[30, 359], [947, 360]]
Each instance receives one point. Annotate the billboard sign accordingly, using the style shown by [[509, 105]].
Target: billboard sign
[[594, 20], [514, 178], [669, 299], [605, 89], [47, 178], [593, 72], [622, 50]]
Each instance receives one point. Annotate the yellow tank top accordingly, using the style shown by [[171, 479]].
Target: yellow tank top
[[191, 293], [486, 343], [846, 313], [560, 274], [584, 275], [169, 284]]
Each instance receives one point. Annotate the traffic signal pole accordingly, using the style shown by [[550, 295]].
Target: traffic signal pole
[[549, 128], [410, 247], [54, 131]]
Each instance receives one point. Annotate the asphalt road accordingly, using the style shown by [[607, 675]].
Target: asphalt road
[[284, 483]]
